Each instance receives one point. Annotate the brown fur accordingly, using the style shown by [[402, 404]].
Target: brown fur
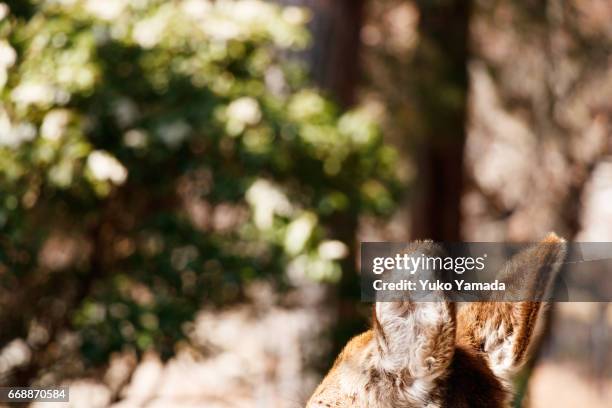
[[471, 383]]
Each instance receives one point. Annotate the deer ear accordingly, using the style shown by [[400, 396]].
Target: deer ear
[[505, 330], [415, 337]]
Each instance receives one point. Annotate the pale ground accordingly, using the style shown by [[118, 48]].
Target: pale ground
[[255, 356], [575, 371], [561, 385]]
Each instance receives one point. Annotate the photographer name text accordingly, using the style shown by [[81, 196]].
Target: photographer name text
[[437, 285]]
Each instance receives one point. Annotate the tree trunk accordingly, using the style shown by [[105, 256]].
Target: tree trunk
[[442, 78], [333, 58]]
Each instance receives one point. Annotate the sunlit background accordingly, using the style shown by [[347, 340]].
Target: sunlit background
[[184, 184]]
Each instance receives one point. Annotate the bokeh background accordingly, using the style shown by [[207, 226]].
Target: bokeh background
[[184, 184]]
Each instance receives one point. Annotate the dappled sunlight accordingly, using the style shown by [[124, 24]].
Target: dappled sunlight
[[184, 185]]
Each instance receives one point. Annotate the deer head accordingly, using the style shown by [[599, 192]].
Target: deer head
[[441, 354]]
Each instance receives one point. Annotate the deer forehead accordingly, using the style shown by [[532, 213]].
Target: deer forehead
[[353, 381]]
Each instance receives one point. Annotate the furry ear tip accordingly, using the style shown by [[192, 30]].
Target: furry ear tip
[[560, 244], [553, 238]]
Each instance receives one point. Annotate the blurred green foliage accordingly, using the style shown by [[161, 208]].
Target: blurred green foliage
[[157, 155]]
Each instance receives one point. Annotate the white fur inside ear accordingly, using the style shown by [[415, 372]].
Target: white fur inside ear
[[499, 347], [418, 337]]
